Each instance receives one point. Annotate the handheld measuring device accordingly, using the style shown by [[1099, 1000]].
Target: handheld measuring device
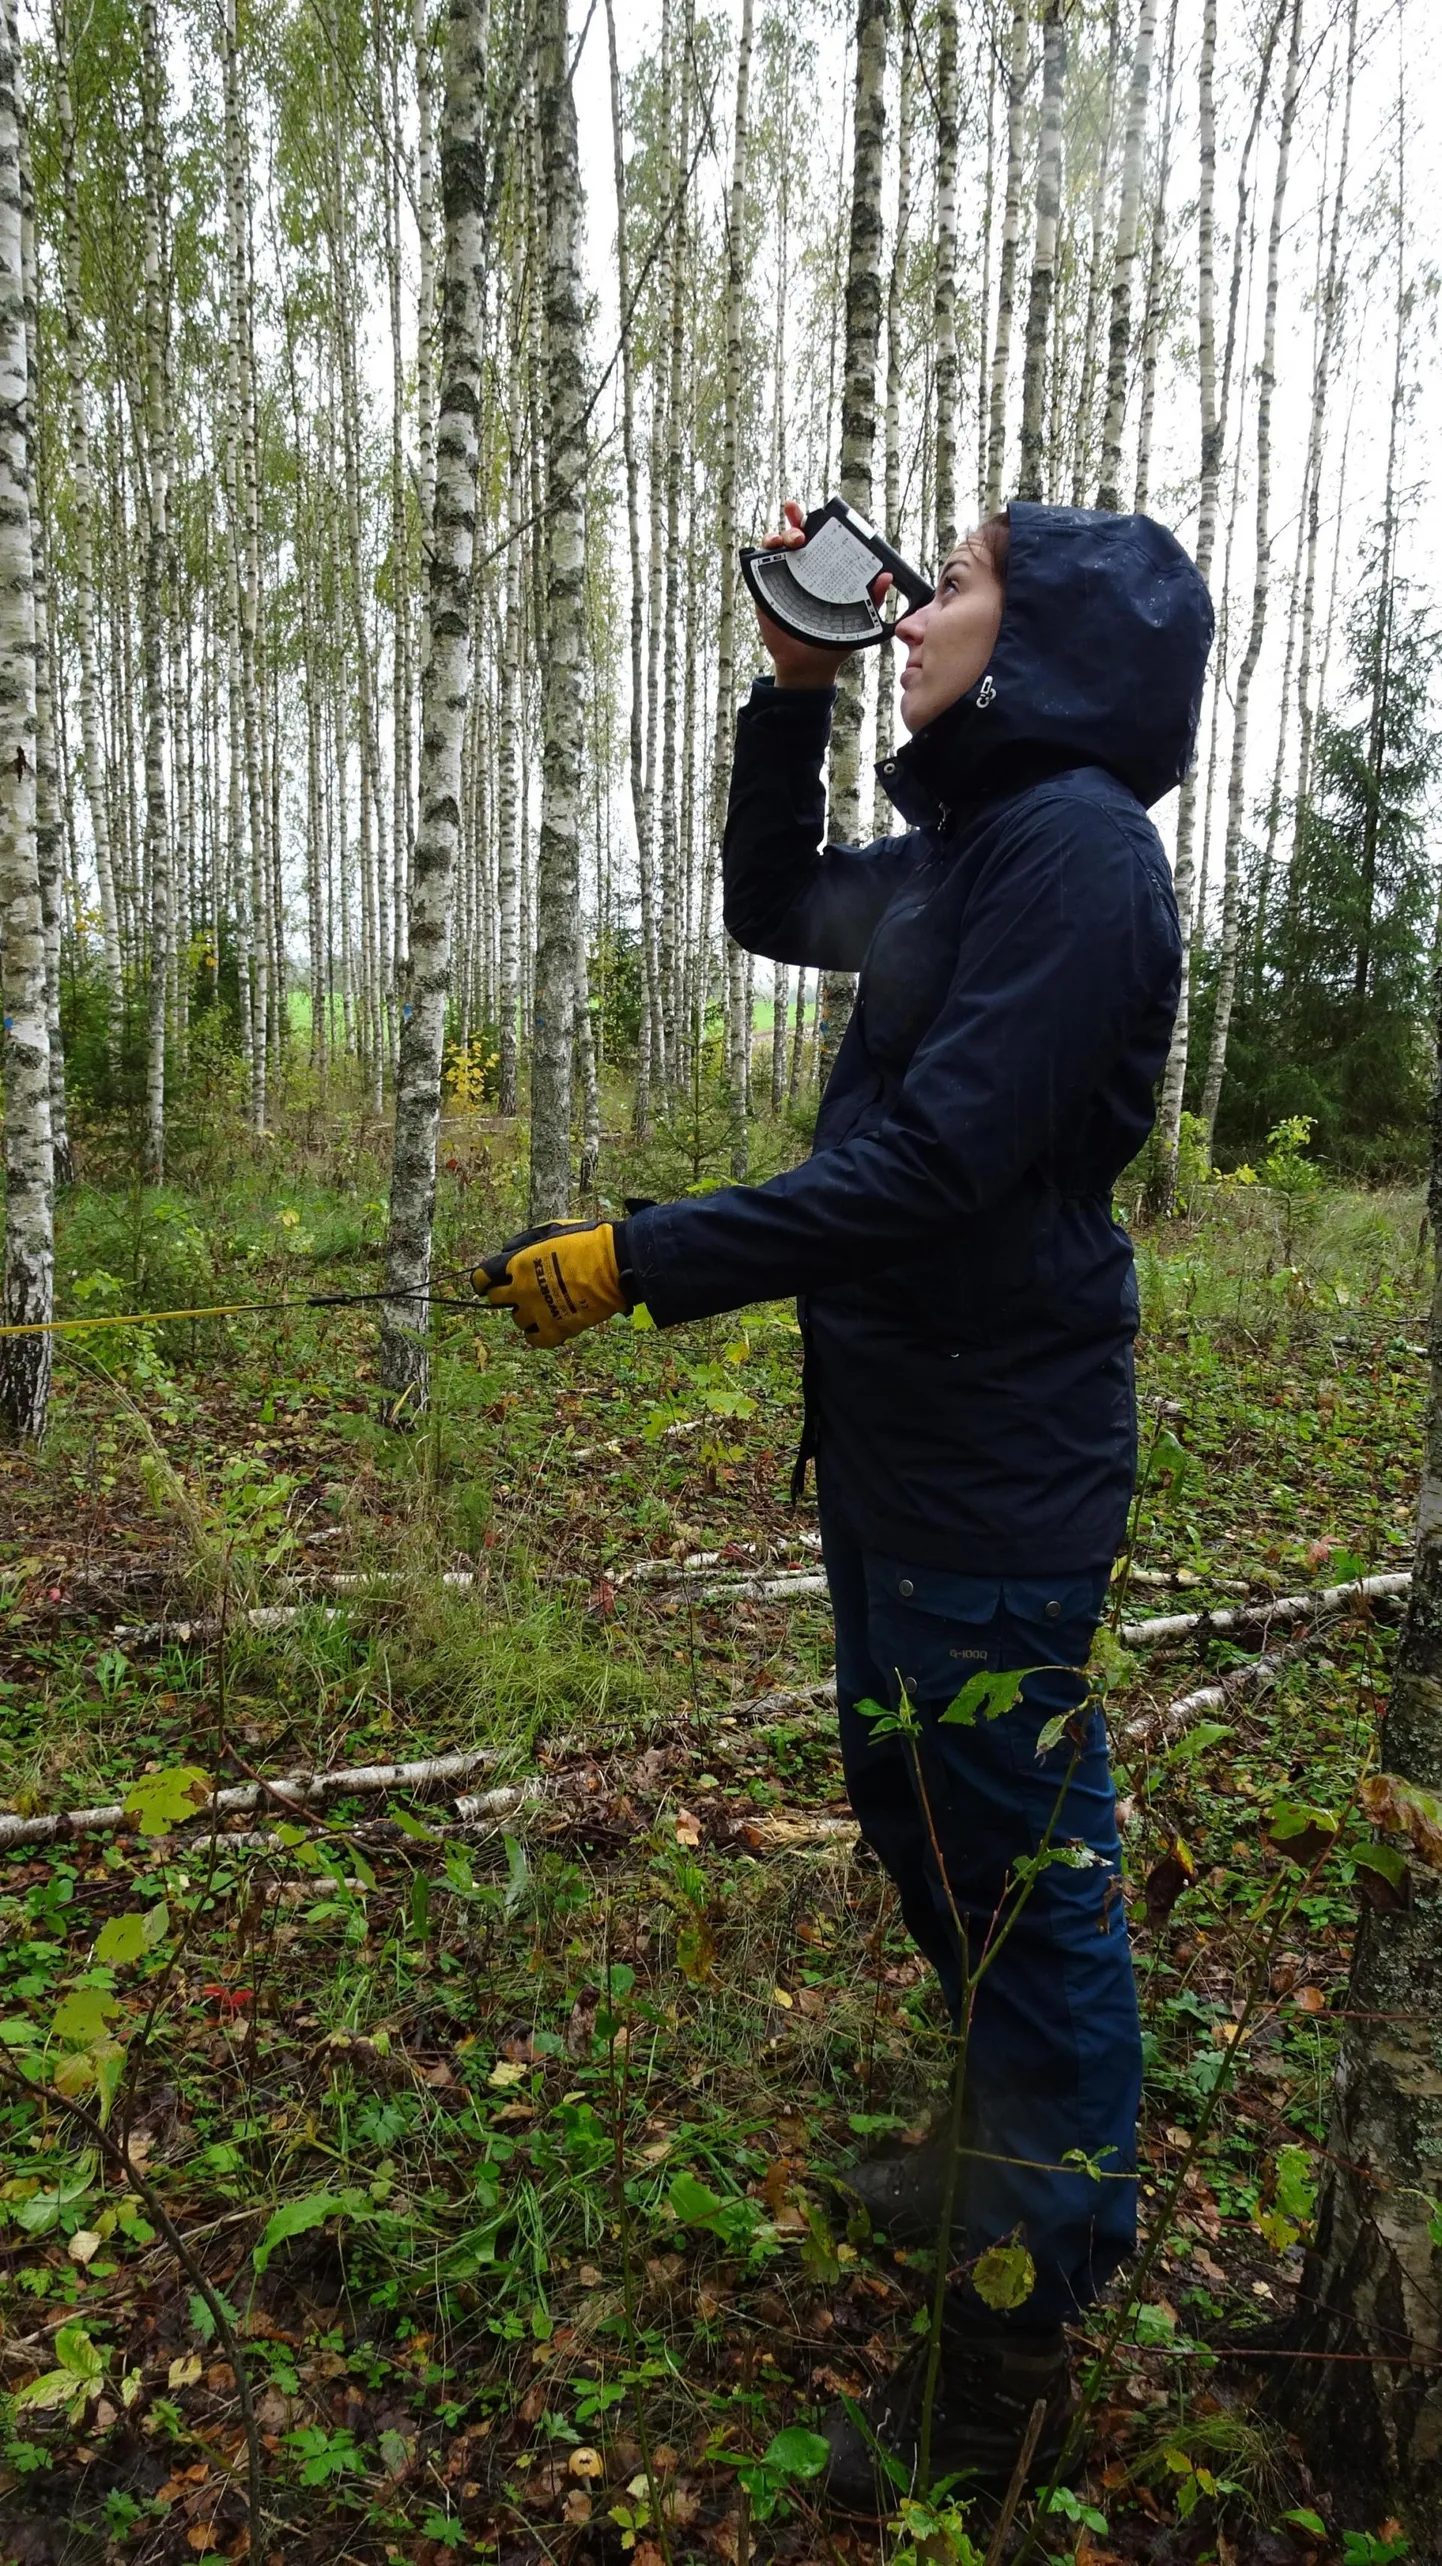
[[820, 591]]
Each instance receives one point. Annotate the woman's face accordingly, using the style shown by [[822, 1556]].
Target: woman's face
[[949, 642]]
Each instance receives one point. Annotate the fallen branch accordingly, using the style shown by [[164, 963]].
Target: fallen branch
[[200, 1627], [764, 1590], [1161, 1727], [302, 1789], [679, 1572], [1266, 1610]]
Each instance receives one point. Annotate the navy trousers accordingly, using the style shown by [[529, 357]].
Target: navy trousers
[[1054, 2055]]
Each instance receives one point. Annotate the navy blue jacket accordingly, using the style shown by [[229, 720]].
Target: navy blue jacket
[[967, 1298]]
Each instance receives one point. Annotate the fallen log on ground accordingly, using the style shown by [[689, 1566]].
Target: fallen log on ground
[[304, 1790], [1162, 1727], [1264, 1609]]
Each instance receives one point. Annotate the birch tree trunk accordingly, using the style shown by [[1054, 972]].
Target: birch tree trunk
[[157, 554], [246, 543], [1380, 654], [943, 320], [721, 746], [1031, 482], [1332, 298], [558, 866], [943, 308], [1191, 900], [1370, 2409], [1082, 452], [426, 293], [1119, 344], [49, 828], [671, 1040], [82, 500], [986, 74], [1156, 278], [445, 698], [512, 751], [858, 443], [1016, 85], [636, 728], [29, 1282], [1261, 583]]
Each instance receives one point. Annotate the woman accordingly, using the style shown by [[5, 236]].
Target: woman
[[968, 1306]]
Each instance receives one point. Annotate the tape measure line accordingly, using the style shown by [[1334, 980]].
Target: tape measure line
[[230, 1310]]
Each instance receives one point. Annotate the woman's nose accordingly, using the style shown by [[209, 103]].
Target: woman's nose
[[909, 628]]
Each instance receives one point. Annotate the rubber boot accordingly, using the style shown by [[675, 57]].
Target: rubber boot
[[988, 2386], [902, 2188]]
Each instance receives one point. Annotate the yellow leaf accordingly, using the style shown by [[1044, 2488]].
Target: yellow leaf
[[184, 2370], [507, 2071], [83, 2244], [780, 1997], [586, 2462]]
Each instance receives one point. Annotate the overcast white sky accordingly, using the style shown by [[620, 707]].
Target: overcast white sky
[[1401, 38]]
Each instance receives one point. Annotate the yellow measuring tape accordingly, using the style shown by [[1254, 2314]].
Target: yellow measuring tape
[[227, 1310]]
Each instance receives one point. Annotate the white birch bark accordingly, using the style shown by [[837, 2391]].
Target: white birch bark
[[511, 750], [1156, 277], [725, 717], [426, 293], [29, 1280], [1190, 893], [671, 888], [558, 862], [636, 724], [1016, 88], [1083, 450], [1332, 303], [157, 556], [1031, 480], [82, 489], [240, 439], [780, 982], [1119, 342], [895, 355], [987, 78], [943, 308], [858, 444], [49, 828], [445, 698], [1261, 582]]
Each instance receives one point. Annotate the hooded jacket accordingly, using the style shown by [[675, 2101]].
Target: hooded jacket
[[968, 1300]]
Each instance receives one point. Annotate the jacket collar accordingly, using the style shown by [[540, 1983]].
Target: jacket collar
[[946, 772]]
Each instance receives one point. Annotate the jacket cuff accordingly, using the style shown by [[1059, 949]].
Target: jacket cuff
[[625, 1269], [644, 1272], [804, 712]]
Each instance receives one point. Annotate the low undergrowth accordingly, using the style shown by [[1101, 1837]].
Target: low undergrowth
[[508, 2145]]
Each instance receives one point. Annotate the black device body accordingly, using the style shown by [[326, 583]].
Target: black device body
[[820, 591]]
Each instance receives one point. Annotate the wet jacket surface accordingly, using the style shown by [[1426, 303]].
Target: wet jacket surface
[[968, 1301]]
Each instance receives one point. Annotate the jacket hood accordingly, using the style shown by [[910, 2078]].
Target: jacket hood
[[1099, 662]]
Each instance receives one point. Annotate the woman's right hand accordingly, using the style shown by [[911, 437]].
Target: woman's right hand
[[797, 663]]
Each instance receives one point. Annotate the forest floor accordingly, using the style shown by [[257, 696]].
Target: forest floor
[[504, 2138]]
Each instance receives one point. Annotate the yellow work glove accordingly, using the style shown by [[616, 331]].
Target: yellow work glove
[[555, 1281]]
